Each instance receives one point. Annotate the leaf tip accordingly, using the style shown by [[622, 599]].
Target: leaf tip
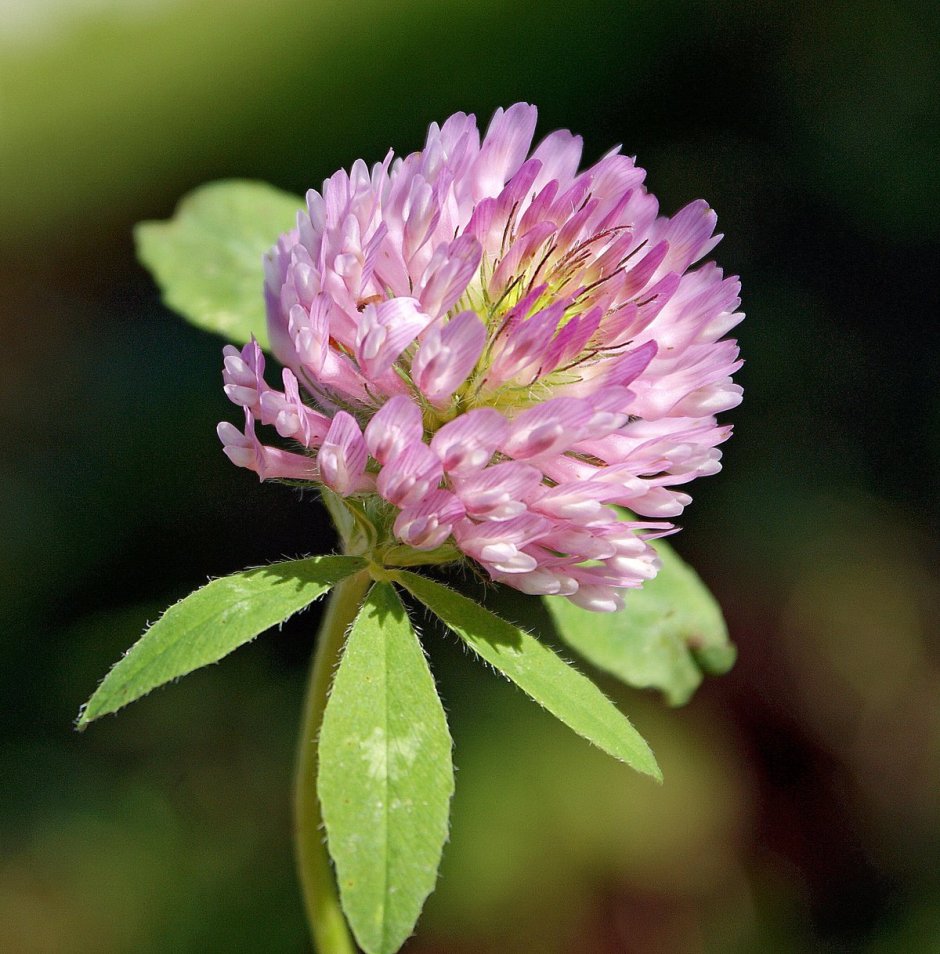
[[82, 720], [647, 764], [716, 660], [143, 232], [677, 696]]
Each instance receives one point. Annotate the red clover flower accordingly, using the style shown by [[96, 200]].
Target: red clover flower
[[484, 352]]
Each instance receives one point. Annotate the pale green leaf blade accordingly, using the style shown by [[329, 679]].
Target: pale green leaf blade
[[385, 775], [538, 671], [207, 259], [211, 622], [668, 633]]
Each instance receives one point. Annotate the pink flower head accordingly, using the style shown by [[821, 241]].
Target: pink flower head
[[490, 349]]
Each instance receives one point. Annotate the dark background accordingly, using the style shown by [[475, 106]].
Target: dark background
[[802, 795]]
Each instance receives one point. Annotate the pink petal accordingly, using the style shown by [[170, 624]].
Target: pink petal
[[658, 502], [572, 339], [632, 364], [243, 374], [468, 442], [560, 154], [690, 234], [421, 213], [447, 355], [498, 492], [519, 255], [547, 428], [498, 545], [579, 500], [385, 330], [504, 148], [276, 264], [409, 475], [638, 276], [238, 447], [597, 598], [447, 275], [540, 206], [342, 456], [290, 416], [395, 426], [520, 352], [428, 524], [310, 331], [542, 581], [245, 450]]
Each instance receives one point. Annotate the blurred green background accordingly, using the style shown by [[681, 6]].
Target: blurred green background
[[801, 810]]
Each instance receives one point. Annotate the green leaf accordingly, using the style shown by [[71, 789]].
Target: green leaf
[[537, 670], [385, 777], [207, 259], [667, 634], [211, 622]]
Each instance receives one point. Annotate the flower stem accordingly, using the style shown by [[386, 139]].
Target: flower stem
[[324, 914]]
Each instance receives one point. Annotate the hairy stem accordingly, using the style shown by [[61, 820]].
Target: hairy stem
[[327, 924]]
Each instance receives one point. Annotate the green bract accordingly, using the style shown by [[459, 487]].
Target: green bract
[[538, 671], [211, 622], [385, 777], [668, 633], [207, 259]]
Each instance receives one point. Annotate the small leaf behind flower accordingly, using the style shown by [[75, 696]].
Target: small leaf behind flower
[[211, 622], [207, 259], [385, 775], [668, 633], [538, 671]]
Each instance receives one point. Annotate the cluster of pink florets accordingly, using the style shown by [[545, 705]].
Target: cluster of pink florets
[[498, 347]]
